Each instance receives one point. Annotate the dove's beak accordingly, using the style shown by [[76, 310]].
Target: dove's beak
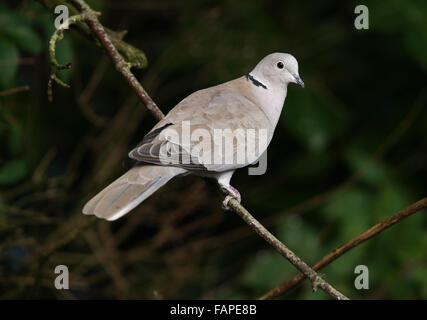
[[298, 80]]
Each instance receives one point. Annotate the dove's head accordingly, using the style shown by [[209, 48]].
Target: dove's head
[[278, 69]]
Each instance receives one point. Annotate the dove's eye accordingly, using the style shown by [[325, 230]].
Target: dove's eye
[[280, 65]]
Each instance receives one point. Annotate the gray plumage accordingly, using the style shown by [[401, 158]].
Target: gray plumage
[[129, 190]]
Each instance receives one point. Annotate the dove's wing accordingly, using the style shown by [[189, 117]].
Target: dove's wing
[[211, 130]]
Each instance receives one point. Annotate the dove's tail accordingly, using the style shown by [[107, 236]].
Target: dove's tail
[[129, 190]]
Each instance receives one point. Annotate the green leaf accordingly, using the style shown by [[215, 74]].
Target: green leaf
[[8, 63], [13, 171]]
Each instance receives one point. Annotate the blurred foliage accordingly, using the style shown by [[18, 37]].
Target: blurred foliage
[[358, 128]]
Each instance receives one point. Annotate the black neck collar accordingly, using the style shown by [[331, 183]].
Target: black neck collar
[[255, 81]]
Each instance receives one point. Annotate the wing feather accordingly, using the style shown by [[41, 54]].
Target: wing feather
[[204, 111]]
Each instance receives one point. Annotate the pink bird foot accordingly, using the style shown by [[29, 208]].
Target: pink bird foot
[[233, 193]]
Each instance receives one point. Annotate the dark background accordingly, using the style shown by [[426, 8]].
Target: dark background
[[349, 151]]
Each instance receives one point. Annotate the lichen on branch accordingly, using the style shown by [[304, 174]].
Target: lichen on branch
[[58, 35], [132, 55]]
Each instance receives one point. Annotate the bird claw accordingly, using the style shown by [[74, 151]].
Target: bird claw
[[233, 193]]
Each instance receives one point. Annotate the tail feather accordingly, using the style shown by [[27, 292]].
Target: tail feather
[[125, 193]]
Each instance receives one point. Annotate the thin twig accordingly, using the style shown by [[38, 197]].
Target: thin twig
[[316, 280], [47, 251], [338, 252], [14, 90], [58, 35]]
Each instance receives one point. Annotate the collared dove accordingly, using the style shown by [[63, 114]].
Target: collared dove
[[251, 102]]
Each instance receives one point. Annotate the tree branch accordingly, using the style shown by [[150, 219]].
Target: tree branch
[[338, 252], [14, 90]]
